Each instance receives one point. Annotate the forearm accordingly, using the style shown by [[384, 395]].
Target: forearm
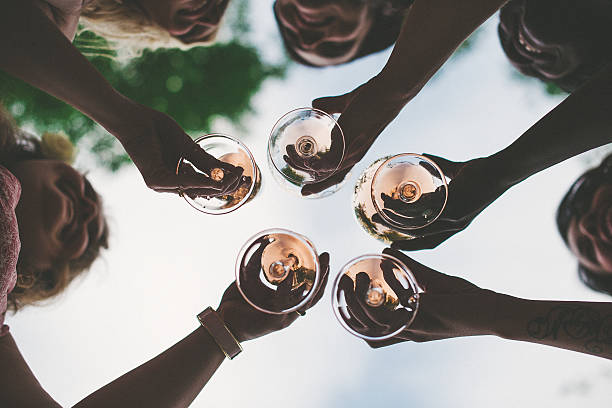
[[580, 123], [36, 51], [172, 379], [18, 385], [431, 32], [579, 326]]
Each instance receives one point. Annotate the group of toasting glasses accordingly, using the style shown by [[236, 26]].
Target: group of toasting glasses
[[374, 296]]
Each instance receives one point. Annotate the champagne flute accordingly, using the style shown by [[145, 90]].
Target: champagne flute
[[397, 195], [306, 146], [278, 271], [234, 152], [375, 297]]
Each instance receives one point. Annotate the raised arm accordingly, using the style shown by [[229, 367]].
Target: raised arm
[[579, 326], [431, 32], [35, 50], [172, 379], [453, 307], [578, 124], [175, 377], [18, 385]]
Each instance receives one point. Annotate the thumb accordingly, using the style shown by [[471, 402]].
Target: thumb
[[333, 104], [316, 188], [449, 167], [427, 278], [188, 178]]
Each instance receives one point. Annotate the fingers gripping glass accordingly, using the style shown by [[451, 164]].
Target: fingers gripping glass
[[375, 297], [306, 146], [278, 271], [397, 195], [232, 151]]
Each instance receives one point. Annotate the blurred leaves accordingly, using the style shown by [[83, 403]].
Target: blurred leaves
[[194, 87], [553, 89], [548, 87]]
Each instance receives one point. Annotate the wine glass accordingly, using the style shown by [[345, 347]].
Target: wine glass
[[397, 195], [375, 296], [306, 146], [277, 271], [228, 150]]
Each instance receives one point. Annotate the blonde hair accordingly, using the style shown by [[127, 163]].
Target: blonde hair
[[127, 28]]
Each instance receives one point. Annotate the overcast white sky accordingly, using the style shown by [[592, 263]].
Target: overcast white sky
[[167, 262]]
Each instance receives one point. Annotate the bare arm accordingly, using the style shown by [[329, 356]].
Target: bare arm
[[63, 13], [172, 379], [578, 124], [584, 327], [18, 386], [431, 32], [34, 50], [453, 307]]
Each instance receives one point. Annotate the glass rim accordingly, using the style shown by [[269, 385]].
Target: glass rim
[[300, 237], [383, 215], [411, 280], [306, 109], [253, 164]]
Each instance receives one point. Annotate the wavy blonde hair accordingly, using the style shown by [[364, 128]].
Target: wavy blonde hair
[[128, 29]]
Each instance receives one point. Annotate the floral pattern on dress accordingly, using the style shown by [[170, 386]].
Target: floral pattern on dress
[[10, 191]]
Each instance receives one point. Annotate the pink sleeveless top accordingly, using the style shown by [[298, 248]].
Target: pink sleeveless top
[[10, 191]]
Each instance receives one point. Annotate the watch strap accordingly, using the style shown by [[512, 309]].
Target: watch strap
[[224, 338]]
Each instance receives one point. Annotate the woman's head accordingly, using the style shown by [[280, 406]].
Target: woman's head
[[321, 33], [584, 219], [560, 41], [138, 24], [61, 226]]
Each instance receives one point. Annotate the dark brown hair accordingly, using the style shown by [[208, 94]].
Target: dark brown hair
[[575, 204], [388, 16], [588, 23]]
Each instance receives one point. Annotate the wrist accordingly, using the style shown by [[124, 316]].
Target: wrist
[[507, 308], [497, 173], [218, 330], [396, 86], [121, 117], [207, 342], [231, 324], [480, 317]]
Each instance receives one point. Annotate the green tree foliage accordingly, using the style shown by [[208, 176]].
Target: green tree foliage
[[549, 88], [193, 87]]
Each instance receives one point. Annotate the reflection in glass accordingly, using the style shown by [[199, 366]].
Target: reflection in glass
[[375, 297], [277, 271], [228, 150], [306, 146], [397, 195]]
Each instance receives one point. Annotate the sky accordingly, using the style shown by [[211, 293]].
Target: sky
[[167, 262]]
